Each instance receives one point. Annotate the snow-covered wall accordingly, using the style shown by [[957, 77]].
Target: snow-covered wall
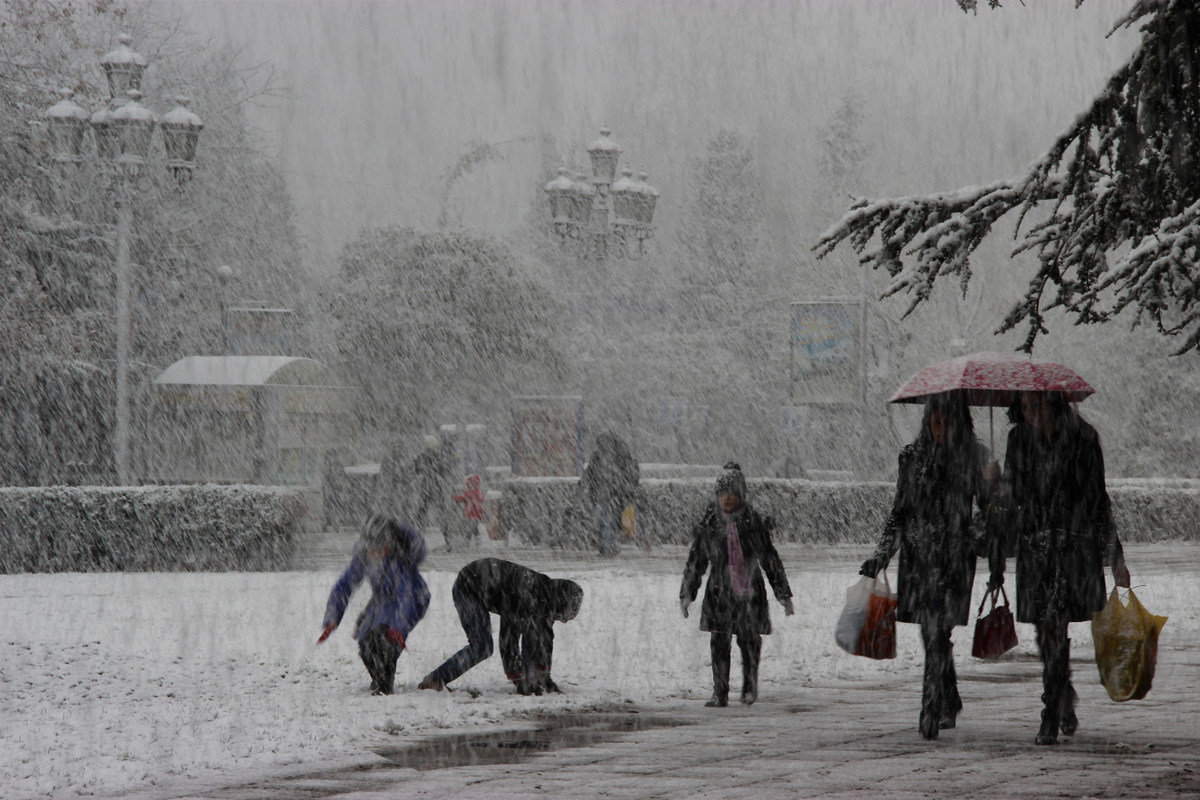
[[552, 511], [159, 528]]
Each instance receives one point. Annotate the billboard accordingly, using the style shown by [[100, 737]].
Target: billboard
[[547, 436], [826, 341]]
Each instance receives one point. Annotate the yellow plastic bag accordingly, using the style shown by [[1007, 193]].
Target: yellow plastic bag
[[1126, 639], [629, 522]]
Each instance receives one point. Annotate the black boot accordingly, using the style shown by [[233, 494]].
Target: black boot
[[1067, 721], [1048, 733], [718, 644], [951, 700], [751, 647]]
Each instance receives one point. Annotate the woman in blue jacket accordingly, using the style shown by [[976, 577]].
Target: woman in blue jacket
[[387, 554]]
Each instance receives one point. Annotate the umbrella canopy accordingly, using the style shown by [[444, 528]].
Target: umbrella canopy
[[992, 379]]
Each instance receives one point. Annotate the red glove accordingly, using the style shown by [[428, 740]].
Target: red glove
[[396, 636], [330, 628]]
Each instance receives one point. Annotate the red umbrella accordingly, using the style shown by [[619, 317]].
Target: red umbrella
[[992, 379]]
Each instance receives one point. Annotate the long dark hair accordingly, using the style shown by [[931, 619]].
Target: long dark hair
[[955, 408]]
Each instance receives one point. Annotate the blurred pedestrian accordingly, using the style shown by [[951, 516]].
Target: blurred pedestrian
[[433, 475], [941, 481], [735, 541], [528, 603], [387, 554], [610, 483], [1056, 499]]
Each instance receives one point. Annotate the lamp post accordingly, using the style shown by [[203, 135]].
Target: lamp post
[[596, 216], [123, 130]]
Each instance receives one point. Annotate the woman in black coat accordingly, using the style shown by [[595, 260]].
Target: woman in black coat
[[735, 541], [1057, 503], [941, 480]]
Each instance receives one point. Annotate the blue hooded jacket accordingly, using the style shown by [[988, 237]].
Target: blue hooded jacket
[[399, 596]]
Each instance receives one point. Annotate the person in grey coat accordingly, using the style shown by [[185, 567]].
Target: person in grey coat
[[610, 482], [1056, 500], [941, 479], [732, 542]]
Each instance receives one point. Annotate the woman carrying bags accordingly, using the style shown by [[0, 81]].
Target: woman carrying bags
[[1056, 501], [942, 478]]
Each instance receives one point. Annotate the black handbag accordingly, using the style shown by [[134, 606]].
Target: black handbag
[[995, 633]]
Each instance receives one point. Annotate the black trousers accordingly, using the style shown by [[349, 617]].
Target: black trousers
[[379, 654], [939, 688], [526, 646], [750, 643]]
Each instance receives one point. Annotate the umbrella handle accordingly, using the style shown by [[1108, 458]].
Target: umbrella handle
[[992, 425]]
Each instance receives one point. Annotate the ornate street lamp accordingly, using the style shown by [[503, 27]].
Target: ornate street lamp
[[595, 216], [67, 123], [123, 130]]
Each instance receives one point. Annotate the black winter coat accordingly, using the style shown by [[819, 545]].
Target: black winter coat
[[1059, 506], [721, 609], [515, 592], [931, 525]]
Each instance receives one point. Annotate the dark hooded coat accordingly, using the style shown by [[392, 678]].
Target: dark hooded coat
[[1059, 506], [931, 525], [611, 476], [721, 609]]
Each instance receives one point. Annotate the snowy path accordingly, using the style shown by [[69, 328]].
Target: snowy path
[[190, 685]]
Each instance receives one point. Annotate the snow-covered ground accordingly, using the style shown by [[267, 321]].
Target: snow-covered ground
[[117, 682]]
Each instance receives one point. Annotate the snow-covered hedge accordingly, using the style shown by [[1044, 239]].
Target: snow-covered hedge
[[160, 528], [552, 510]]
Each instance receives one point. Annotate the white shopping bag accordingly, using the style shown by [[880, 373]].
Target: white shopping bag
[[854, 614]]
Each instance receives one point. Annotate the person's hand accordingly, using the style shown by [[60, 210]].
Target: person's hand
[[552, 687], [328, 629], [995, 581], [788, 608], [430, 682], [683, 606], [869, 568], [991, 472], [394, 635], [1121, 574]]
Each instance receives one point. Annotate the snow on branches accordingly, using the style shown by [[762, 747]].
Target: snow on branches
[[1113, 206]]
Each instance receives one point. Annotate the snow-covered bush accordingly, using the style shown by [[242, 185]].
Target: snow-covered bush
[[552, 511], [156, 528]]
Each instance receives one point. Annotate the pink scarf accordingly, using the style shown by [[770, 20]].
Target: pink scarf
[[738, 578]]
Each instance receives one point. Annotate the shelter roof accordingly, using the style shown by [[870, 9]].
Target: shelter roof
[[247, 371]]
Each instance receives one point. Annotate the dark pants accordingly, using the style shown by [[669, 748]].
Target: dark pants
[[939, 688], [379, 654], [750, 643], [1058, 696], [525, 648]]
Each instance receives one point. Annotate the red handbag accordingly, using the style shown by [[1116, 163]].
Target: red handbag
[[996, 633]]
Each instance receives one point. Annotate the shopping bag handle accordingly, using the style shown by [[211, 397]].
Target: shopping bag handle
[[995, 595]]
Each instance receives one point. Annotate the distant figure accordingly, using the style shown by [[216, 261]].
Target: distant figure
[[433, 474], [735, 541], [792, 468], [941, 482], [1057, 501], [392, 484], [528, 603], [387, 554], [609, 483]]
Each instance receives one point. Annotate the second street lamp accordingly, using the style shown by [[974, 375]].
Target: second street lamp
[[123, 130], [596, 217]]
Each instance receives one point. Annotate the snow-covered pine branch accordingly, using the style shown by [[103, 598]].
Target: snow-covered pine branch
[[1125, 174]]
